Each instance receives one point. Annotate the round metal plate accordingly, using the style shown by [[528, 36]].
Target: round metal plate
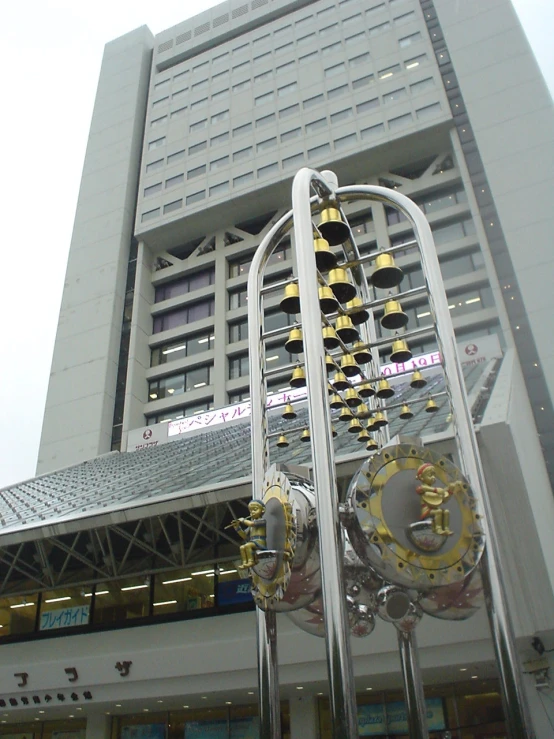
[[386, 530]]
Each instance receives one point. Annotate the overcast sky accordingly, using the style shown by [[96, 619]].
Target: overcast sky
[[51, 52]]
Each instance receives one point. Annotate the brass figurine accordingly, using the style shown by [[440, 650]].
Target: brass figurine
[[432, 498], [253, 531]]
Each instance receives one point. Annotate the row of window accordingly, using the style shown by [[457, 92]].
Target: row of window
[[183, 382], [305, 24], [397, 123], [183, 315], [273, 95], [283, 113], [182, 348], [430, 203], [184, 285], [115, 601]]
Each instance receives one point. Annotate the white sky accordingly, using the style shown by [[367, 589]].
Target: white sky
[[51, 52]]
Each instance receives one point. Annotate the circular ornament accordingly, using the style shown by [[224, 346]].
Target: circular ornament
[[412, 517]]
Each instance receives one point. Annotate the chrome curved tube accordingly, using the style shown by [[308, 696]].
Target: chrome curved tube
[[342, 694], [514, 699]]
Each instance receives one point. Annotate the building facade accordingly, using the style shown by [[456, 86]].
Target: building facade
[[195, 138]]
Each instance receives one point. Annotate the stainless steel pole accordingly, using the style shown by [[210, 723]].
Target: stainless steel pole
[[413, 685], [513, 695], [266, 630], [337, 640]]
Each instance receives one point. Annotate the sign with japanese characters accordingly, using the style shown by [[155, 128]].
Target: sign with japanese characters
[[63, 618], [471, 352]]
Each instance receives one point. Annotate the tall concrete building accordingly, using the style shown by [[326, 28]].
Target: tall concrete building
[[195, 138]]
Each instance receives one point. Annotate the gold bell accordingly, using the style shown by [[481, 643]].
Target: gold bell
[[305, 435], [354, 426], [345, 414], [345, 329], [393, 317], [342, 288], [330, 339], [340, 382], [332, 227], [348, 366], [351, 398], [386, 274], [330, 389], [282, 441], [363, 411], [330, 363], [405, 412], [418, 381], [372, 445], [384, 390], [371, 426], [358, 314], [327, 301], [400, 351], [336, 402], [290, 302], [334, 432], [298, 378], [379, 420], [289, 413], [431, 406], [363, 436], [361, 353], [294, 344], [365, 390], [324, 257]]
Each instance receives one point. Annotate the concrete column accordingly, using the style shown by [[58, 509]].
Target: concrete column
[[98, 726], [303, 717]]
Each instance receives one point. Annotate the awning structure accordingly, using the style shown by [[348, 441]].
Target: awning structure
[[165, 507]]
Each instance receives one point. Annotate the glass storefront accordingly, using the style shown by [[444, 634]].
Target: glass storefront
[[460, 711], [62, 729]]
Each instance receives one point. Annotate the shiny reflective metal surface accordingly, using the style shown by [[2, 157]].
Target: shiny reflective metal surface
[[413, 685]]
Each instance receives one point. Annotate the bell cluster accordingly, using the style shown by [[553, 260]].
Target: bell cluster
[[355, 388]]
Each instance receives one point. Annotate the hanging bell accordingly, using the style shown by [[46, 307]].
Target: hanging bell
[[345, 329], [386, 274], [361, 353], [405, 413], [289, 413], [330, 339], [365, 390], [340, 382], [362, 411], [290, 302], [348, 366], [400, 351], [363, 436], [327, 301], [431, 406], [418, 381], [342, 288], [334, 432], [384, 390], [298, 378], [294, 344], [345, 414], [330, 389], [371, 427], [305, 435], [324, 257], [282, 441], [336, 402], [393, 317], [354, 427], [379, 420], [358, 314], [372, 445], [332, 227], [330, 364], [351, 398]]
